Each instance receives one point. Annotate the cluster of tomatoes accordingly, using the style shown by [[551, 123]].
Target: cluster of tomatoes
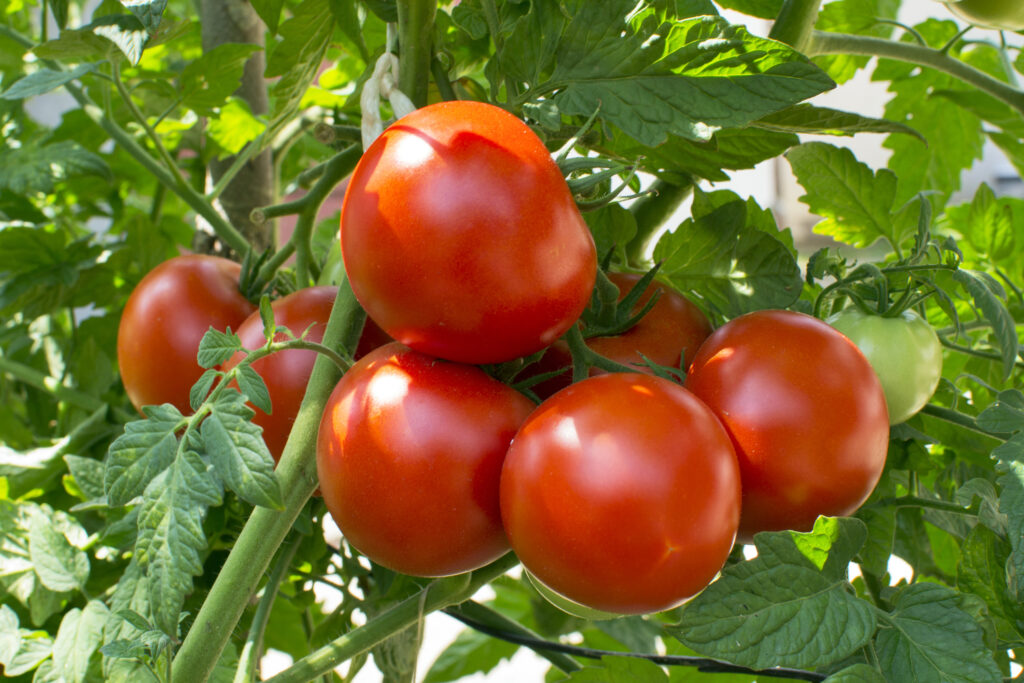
[[623, 492]]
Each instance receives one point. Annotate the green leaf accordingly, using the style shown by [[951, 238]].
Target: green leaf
[[37, 168], [45, 80], [171, 537], [652, 78], [855, 202], [619, 670], [471, 652], [929, 639], [238, 453], [853, 16], [989, 226], [34, 648], [612, 226], [982, 572], [858, 673], [986, 294], [234, 127], [270, 12], [1005, 415], [217, 347], [807, 118], [146, 449], [790, 606], [197, 394], [59, 565], [209, 81], [765, 9], [386, 10], [149, 12], [737, 268], [254, 388], [125, 31], [347, 18], [297, 58], [18, 578], [78, 640]]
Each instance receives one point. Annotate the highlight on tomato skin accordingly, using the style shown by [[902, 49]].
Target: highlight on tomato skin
[[409, 456], [622, 493], [805, 412], [460, 236], [164, 320]]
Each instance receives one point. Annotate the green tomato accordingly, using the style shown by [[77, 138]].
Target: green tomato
[[1004, 15], [904, 351], [568, 606]]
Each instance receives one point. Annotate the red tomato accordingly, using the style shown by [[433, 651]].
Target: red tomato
[[622, 493], [409, 457], [164, 320], [286, 373], [461, 238], [805, 411], [669, 333]]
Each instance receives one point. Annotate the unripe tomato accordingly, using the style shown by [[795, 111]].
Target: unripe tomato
[[409, 456], [622, 493], [668, 335], [905, 353], [163, 322], [805, 411], [1005, 15], [460, 236]]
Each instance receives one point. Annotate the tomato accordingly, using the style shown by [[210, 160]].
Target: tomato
[[805, 411], [409, 456], [622, 493], [460, 236], [668, 334], [165, 318], [905, 353], [1006, 15], [286, 373]]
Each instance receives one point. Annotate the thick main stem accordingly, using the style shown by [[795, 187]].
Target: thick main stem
[[415, 37], [266, 528], [795, 22]]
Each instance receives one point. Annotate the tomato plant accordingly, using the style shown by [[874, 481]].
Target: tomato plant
[[667, 335], [165, 317], [409, 457], [457, 199], [606, 505], [904, 351], [805, 411], [1005, 15]]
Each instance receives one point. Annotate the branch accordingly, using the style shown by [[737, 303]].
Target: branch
[[415, 34], [795, 23], [824, 43]]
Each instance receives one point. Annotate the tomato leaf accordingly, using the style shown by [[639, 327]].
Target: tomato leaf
[[619, 670], [237, 451], [651, 77], [75, 656], [209, 81], [807, 118], [853, 16], [45, 80], [858, 673], [59, 565], [765, 9], [789, 606], [471, 652], [146, 449], [982, 572], [735, 267], [305, 37], [217, 347], [197, 394], [254, 388], [930, 638], [171, 538], [36, 168], [21, 650], [988, 294]]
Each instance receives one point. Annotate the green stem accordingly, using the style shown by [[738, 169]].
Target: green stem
[[987, 355], [795, 23], [473, 614], [436, 595], [651, 212], [930, 503], [823, 43], [415, 38], [253, 649], [959, 419], [444, 86], [266, 528]]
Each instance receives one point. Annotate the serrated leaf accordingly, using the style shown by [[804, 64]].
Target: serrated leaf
[[989, 226], [652, 78], [1011, 503], [612, 227], [45, 80], [995, 313], [135, 458], [735, 267], [125, 31], [789, 606], [148, 12], [1005, 415], [36, 168], [197, 394], [234, 127], [619, 670], [59, 565], [858, 673], [79, 637], [471, 652], [238, 453], [982, 572], [34, 648], [209, 81], [217, 347], [929, 639], [171, 537], [856, 202], [807, 118], [270, 12], [254, 388], [305, 38]]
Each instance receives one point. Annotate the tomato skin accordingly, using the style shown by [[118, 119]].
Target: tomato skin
[[409, 456], [806, 414], [905, 353], [622, 493], [461, 238], [164, 320], [668, 334], [1006, 15]]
